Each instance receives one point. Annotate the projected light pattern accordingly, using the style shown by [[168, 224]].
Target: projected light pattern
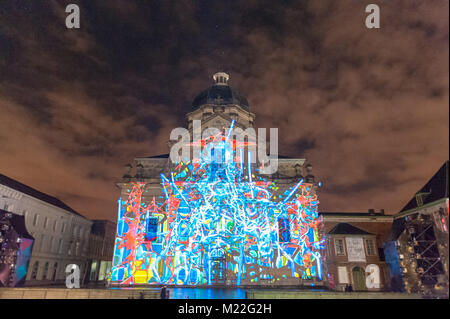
[[218, 223]]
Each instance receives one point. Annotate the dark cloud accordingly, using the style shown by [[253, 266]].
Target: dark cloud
[[368, 108]]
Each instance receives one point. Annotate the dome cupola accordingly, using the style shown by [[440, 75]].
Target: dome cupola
[[220, 93]]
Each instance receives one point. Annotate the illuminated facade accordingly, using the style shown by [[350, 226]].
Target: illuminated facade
[[214, 219]]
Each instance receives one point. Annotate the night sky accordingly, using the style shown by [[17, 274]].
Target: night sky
[[368, 108]]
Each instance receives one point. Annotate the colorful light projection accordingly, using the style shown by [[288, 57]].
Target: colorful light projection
[[218, 223]]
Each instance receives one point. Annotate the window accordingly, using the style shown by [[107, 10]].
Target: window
[[102, 273], [93, 271], [55, 225], [44, 275], [339, 247], [35, 270], [45, 222], [370, 247], [342, 275], [63, 228], [35, 219], [69, 251], [50, 244], [284, 234], [77, 248], [60, 246], [55, 271]]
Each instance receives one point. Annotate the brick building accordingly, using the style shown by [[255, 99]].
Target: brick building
[[354, 244]]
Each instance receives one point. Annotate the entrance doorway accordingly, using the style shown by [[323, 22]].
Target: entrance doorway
[[218, 271], [359, 279]]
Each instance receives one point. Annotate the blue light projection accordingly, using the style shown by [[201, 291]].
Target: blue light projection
[[217, 222]]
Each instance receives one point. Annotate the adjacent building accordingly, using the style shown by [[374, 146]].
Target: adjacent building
[[417, 247], [354, 253], [101, 248], [61, 235]]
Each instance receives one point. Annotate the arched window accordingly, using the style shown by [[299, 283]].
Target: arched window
[[35, 270], [44, 275], [55, 270]]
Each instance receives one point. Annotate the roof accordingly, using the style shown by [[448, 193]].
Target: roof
[[354, 214], [220, 95], [436, 188], [347, 229], [11, 183], [398, 225], [159, 156]]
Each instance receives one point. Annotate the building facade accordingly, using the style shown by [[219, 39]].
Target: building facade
[[353, 260], [61, 235], [180, 216], [354, 254]]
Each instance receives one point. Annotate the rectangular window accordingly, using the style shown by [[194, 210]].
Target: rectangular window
[[45, 222], [284, 235], [339, 247], [35, 219], [55, 225], [77, 248], [93, 271], [50, 244], [69, 251], [102, 272], [370, 247], [60, 246], [342, 275]]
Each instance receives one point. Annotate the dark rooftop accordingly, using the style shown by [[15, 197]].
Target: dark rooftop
[[347, 229], [159, 156], [220, 94], [9, 182], [436, 188], [368, 213]]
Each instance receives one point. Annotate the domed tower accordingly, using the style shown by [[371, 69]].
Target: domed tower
[[219, 104]]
